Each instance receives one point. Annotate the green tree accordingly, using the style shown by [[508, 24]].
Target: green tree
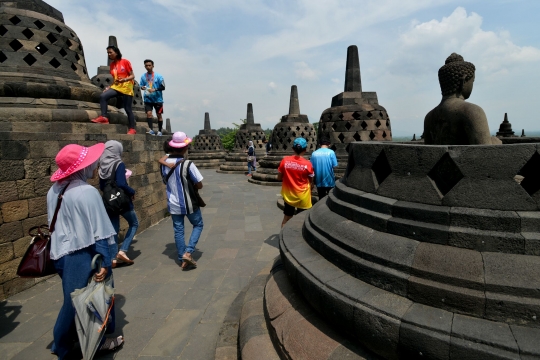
[[228, 135], [316, 126]]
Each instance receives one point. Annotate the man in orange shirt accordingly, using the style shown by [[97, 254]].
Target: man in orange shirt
[[122, 88], [297, 176]]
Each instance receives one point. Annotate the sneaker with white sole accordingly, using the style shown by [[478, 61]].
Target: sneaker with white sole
[[159, 133], [151, 132]]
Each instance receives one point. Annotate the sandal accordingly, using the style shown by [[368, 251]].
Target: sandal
[[112, 344], [184, 265], [124, 258], [188, 259]]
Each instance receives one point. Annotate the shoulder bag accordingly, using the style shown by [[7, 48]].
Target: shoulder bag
[[116, 201], [36, 261]]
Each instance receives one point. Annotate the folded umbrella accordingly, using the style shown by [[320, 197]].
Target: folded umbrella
[[93, 305]]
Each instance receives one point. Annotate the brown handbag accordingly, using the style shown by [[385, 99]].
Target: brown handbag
[[37, 262]]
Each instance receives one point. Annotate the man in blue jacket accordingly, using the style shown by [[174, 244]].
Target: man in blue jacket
[[153, 85]]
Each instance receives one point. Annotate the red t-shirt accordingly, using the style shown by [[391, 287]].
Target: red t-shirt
[[120, 69], [295, 189]]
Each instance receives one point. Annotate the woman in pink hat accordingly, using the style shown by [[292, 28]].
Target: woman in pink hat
[[181, 197], [82, 230]]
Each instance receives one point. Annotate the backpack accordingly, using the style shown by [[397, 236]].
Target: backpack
[[116, 201], [191, 186]]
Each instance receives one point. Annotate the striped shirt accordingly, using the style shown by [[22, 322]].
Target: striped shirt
[[180, 199]]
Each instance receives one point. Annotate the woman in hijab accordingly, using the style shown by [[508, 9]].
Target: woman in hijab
[[108, 162], [82, 230], [251, 154]]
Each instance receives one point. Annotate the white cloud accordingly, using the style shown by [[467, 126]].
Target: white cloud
[[272, 87], [304, 72]]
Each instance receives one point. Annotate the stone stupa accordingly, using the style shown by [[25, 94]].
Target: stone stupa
[[421, 251], [505, 129], [236, 160], [289, 128], [354, 115], [207, 150], [103, 79]]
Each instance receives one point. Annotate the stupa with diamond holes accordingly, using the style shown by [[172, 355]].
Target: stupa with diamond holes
[[236, 160], [104, 79], [354, 115], [207, 151], [290, 127], [419, 252]]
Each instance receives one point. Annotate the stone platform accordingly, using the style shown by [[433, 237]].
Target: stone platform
[[429, 250], [163, 312]]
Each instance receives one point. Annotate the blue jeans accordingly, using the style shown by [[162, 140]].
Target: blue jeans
[[74, 270], [178, 225], [251, 164], [133, 223]]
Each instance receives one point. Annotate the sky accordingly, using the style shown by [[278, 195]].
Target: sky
[[216, 55]]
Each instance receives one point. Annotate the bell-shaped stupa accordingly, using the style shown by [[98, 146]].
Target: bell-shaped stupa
[[236, 160], [289, 128], [207, 151], [505, 129], [354, 115]]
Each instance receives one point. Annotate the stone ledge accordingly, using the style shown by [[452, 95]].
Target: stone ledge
[[470, 228], [297, 331], [376, 318]]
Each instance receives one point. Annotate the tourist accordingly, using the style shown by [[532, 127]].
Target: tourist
[[82, 230], [153, 85], [252, 160], [122, 89], [296, 173], [324, 161], [267, 146], [108, 162], [181, 196]]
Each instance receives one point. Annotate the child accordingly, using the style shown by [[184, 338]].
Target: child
[[182, 201]]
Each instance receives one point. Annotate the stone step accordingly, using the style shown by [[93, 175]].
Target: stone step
[[391, 325]]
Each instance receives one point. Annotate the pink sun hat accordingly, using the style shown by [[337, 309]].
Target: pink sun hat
[[73, 158], [179, 140]]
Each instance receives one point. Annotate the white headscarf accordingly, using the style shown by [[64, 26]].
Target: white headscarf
[[82, 219], [110, 157]]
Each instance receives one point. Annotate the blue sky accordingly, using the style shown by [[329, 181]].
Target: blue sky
[[217, 55]]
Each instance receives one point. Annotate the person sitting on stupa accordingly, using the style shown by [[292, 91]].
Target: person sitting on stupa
[[455, 121]]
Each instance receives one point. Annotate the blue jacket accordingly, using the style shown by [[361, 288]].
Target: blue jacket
[[120, 182], [157, 96]]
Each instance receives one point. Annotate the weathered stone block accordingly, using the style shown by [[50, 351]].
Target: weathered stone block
[[35, 221], [17, 285], [11, 231], [35, 168], [16, 170], [8, 191], [527, 341], [14, 150], [485, 219], [421, 212], [41, 149], [6, 252], [8, 270], [41, 127], [20, 246], [42, 186], [25, 189], [15, 210], [37, 206]]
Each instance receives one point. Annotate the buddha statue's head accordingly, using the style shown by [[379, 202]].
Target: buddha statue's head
[[456, 76]]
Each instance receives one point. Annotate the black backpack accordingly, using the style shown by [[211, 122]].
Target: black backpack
[[116, 201]]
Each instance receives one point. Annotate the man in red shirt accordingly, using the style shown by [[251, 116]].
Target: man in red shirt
[[296, 174], [122, 88]]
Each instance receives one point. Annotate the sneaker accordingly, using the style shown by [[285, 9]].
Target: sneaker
[[151, 132], [132, 132], [100, 120], [159, 133]]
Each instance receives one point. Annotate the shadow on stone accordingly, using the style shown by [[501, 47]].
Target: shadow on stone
[[273, 241]]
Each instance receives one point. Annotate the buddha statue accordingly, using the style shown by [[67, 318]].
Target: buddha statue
[[455, 121]]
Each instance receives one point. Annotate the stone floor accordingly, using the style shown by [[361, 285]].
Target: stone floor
[[163, 312]]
